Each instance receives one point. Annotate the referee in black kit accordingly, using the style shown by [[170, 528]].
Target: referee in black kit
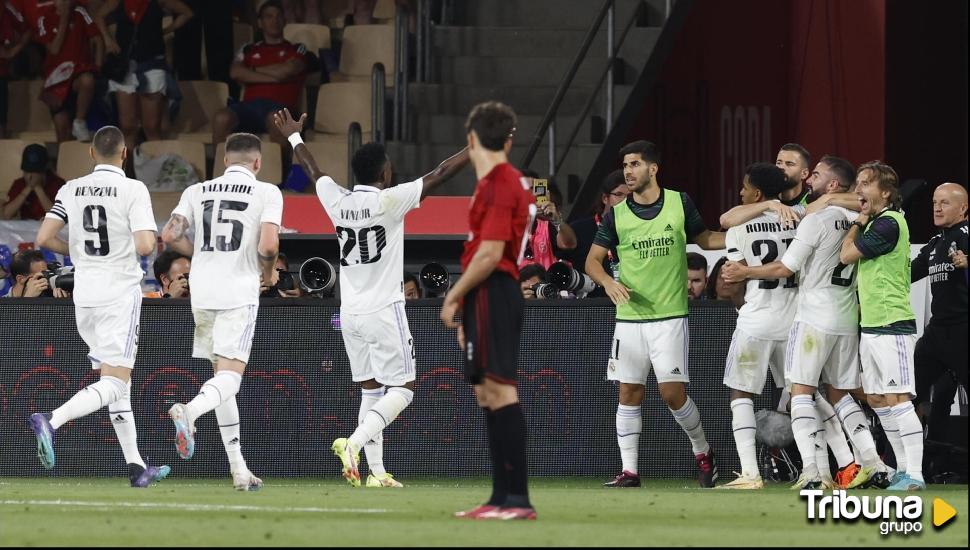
[[943, 346]]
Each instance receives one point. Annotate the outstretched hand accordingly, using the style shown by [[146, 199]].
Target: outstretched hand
[[286, 124]]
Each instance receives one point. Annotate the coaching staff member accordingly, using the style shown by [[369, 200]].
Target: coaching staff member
[[501, 212], [944, 260]]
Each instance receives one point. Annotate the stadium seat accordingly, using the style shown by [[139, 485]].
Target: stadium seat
[[331, 157], [192, 151], [74, 160], [339, 104], [384, 12], [314, 37], [364, 45], [271, 171], [201, 99], [11, 151], [163, 203], [29, 118]]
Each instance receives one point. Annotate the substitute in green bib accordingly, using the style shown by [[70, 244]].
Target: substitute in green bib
[[650, 231], [879, 241]]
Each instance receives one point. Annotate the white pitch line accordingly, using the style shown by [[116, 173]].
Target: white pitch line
[[194, 507]]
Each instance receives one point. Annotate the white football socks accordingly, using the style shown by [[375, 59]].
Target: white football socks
[[690, 420], [227, 415], [834, 435], [214, 392], [804, 425], [911, 436], [373, 449], [123, 421], [387, 408], [857, 425], [891, 428], [104, 392], [745, 429], [629, 424]]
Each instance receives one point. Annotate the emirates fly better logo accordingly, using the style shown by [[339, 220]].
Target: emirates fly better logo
[[899, 515]]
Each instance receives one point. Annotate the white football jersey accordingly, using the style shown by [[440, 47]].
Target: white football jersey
[[769, 305], [827, 288], [370, 230], [226, 214], [101, 211]]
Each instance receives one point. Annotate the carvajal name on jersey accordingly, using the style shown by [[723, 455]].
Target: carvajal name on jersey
[[227, 188], [90, 191], [843, 225], [652, 247], [355, 215]]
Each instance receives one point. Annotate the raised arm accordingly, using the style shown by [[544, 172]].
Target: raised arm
[[849, 201], [448, 168], [289, 127], [747, 212], [175, 235]]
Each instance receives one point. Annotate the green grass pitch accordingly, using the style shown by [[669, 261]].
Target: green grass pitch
[[327, 512]]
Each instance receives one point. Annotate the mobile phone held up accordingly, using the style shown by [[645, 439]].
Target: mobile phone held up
[[540, 188]]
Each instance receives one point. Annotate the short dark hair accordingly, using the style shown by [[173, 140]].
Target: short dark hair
[[532, 270], [269, 4], [163, 262], [802, 152], [493, 122], [412, 278], [21, 262], [647, 151], [843, 170], [243, 143], [767, 178], [887, 179], [368, 162], [612, 181], [696, 261], [108, 141]]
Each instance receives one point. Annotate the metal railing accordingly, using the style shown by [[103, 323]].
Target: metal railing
[[354, 138], [400, 75], [378, 95], [547, 126]]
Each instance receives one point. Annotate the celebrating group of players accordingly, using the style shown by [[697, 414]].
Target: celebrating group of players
[[803, 327]]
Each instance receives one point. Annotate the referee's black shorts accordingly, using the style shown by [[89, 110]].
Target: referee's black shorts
[[492, 320]]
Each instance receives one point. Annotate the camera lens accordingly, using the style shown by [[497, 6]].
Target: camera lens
[[318, 276], [434, 278]]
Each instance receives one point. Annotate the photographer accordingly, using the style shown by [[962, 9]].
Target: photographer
[[530, 276], [27, 273], [172, 271], [412, 288], [286, 287]]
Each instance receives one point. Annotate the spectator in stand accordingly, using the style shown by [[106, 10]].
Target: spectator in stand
[[696, 276], [172, 269], [144, 87], [719, 289], [31, 196], [550, 239], [213, 19], [613, 190], [74, 53], [13, 38], [273, 71], [412, 288]]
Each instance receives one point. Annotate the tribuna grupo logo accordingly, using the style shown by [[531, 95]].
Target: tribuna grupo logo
[[900, 515]]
